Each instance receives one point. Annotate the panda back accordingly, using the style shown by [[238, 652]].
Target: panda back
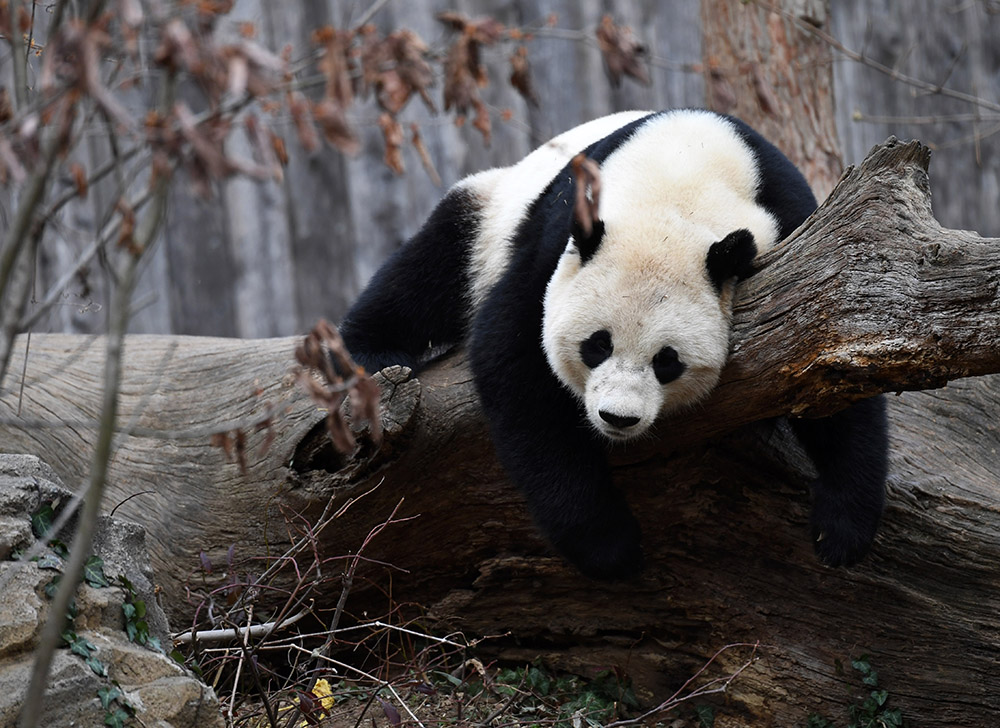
[[509, 194]]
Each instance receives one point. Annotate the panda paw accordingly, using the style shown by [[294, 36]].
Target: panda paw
[[842, 534], [605, 548]]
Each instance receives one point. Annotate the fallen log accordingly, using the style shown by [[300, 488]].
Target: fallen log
[[870, 295]]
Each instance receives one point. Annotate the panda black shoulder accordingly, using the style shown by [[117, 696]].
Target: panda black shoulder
[[782, 190], [547, 218]]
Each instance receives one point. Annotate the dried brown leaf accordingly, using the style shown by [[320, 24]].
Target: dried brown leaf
[[262, 143], [454, 20], [622, 53], [299, 106], [336, 65], [240, 449], [329, 375], [178, 49], [279, 148], [486, 31], [482, 122], [425, 158], [205, 141], [520, 75], [6, 107], [396, 67], [333, 121], [221, 440], [588, 191], [79, 175], [395, 719], [461, 68], [126, 231], [392, 133], [365, 402]]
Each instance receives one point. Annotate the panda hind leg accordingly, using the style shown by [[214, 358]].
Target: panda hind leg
[[850, 451]]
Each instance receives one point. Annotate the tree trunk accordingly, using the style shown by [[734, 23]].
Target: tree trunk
[[761, 66], [869, 295]]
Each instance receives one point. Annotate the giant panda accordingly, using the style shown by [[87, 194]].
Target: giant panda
[[576, 339]]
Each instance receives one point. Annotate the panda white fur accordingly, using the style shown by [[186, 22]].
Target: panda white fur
[[579, 338]]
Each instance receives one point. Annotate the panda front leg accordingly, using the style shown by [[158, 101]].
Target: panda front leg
[[566, 480], [549, 450], [415, 302], [850, 451]]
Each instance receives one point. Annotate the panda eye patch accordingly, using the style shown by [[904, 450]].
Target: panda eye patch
[[667, 366], [597, 348]]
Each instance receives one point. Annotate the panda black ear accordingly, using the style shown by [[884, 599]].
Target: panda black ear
[[587, 228], [587, 243], [731, 257]]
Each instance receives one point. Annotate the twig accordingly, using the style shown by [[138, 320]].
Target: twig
[[18, 236], [254, 672], [19, 57], [369, 13], [99, 243], [349, 576], [678, 698], [80, 549], [381, 683], [892, 73], [251, 630], [24, 372]]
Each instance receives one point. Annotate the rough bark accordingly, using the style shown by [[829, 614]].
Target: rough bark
[[870, 294]]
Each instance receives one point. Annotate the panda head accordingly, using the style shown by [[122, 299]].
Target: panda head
[[637, 316]]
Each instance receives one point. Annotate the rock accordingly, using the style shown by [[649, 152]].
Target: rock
[[162, 692]]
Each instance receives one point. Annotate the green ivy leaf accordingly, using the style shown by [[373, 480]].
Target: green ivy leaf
[[97, 666], [539, 681], [53, 586], [893, 718], [81, 647], [129, 610], [818, 721], [59, 548], [706, 716], [455, 681], [108, 695], [93, 572], [118, 719], [49, 560], [41, 520]]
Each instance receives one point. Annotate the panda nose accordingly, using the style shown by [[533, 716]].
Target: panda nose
[[622, 421]]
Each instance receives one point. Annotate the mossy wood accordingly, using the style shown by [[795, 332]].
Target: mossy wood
[[870, 295]]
